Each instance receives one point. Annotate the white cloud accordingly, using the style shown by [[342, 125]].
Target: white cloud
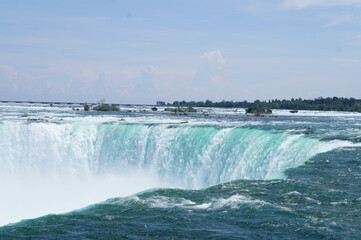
[[347, 61], [88, 76], [215, 57], [301, 4], [9, 77], [210, 81], [342, 19]]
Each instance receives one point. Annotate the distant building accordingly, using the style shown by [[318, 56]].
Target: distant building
[[160, 103]]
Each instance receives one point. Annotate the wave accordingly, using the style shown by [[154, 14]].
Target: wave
[[159, 201]]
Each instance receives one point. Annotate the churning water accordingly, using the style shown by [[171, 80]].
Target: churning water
[[160, 175]]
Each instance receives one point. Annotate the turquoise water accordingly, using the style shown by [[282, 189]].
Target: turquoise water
[[78, 175]]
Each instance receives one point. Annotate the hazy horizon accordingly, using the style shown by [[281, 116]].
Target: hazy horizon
[[155, 103]]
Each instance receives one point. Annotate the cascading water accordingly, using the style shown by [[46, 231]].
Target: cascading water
[[185, 156], [61, 167]]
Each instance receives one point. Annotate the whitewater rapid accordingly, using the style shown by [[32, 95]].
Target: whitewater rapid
[[58, 167], [54, 159], [184, 155]]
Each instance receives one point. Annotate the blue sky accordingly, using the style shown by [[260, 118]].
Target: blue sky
[[141, 51]]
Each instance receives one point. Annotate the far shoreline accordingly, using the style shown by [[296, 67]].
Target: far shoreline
[[340, 104]]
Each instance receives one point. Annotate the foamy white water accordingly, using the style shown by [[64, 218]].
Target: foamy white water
[[56, 160]]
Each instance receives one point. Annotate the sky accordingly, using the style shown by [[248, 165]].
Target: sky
[[143, 51]]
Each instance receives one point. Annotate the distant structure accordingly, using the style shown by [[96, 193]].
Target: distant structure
[[160, 103]]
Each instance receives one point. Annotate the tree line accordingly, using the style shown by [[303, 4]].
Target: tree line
[[321, 103]]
